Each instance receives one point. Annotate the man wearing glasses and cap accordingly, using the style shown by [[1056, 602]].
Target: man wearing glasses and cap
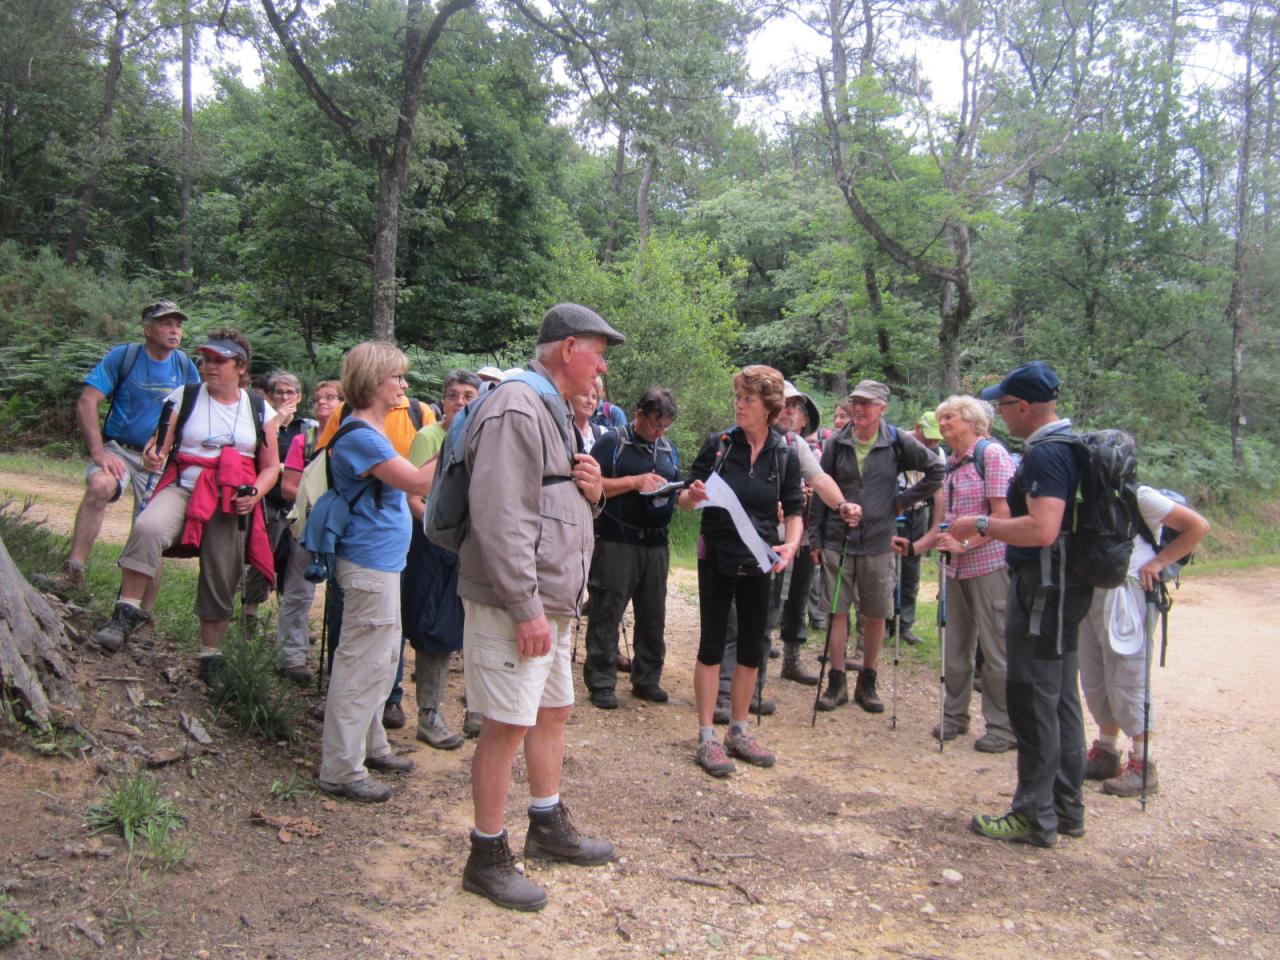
[[1043, 669], [136, 377]]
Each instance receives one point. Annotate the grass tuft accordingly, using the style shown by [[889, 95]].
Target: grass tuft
[[137, 808], [253, 693]]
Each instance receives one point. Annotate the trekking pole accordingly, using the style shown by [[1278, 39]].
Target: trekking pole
[[577, 625], [901, 522], [943, 558], [835, 599], [324, 642], [1153, 604], [242, 526]]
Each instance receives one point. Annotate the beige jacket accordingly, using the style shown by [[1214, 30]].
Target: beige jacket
[[529, 545]]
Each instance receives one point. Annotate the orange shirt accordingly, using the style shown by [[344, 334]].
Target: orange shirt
[[399, 426]]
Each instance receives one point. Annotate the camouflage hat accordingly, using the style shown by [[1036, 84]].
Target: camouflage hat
[[161, 308]]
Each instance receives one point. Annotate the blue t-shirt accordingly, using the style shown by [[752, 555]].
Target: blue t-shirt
[[1046, 470], [376, 538], [137, 392]]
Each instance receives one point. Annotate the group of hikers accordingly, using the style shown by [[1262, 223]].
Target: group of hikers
[[569, 499]]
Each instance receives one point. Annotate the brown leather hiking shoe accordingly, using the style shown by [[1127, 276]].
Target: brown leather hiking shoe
[[552, 836], [864, 692], [1101, 763], [491, 872], [1128, 783], [837, 692]]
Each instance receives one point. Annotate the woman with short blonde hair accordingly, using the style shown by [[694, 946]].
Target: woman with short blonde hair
[[367, 365], [977, 412]]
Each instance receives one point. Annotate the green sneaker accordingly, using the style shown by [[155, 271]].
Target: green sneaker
[[1012, 827]]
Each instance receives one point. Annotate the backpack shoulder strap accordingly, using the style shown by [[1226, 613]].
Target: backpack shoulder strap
[[979, 456], [415, 412], [259, 408], [349, 426], [189, 394]]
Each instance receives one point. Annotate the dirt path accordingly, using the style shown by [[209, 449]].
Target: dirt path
[[838, 851], [57, 498]]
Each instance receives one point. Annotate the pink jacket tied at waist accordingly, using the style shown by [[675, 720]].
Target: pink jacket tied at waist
[[214, 492]]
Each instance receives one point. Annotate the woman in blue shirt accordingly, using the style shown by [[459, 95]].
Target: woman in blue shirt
[[373, 478]]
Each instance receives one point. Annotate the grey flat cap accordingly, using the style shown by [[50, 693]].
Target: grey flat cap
[[871, 390], [574, 320]]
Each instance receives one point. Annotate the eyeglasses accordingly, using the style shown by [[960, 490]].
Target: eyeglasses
[[460, 395], [325, 398], [399, 376], [218, 442], [285, 392]]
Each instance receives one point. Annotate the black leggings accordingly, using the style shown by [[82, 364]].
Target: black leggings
[[715, 594]]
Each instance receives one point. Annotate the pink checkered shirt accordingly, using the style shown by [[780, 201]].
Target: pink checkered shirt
[[967, 495]]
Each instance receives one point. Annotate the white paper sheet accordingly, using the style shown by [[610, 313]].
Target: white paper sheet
[[719, 494]]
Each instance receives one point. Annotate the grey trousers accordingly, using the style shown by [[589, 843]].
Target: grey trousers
[[293, 621], [975, 618]]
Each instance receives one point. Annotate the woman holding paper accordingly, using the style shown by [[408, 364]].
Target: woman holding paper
[[741, 477]]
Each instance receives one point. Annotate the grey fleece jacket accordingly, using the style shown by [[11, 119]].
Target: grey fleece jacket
[[876, 491]]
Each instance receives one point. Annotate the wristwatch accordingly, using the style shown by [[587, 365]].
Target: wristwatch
[[981, 524]]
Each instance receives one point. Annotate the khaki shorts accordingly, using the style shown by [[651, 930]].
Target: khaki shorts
[[500, 683], [869, 580], [139, 478]]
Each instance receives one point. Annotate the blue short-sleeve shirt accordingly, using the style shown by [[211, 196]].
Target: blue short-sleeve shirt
[[137, 386], [376, 537]]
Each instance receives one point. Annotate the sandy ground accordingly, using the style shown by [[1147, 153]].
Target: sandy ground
[[837, 851]]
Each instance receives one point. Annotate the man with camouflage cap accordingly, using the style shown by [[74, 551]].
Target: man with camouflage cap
[[136, 377]]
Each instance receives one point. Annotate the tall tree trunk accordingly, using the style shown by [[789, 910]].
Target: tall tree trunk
[[875, 304], [642, 196], [1237, 301], [187, 175], [35, 651], [89, 189], [615, 195], [392, 159], [1269, 144]]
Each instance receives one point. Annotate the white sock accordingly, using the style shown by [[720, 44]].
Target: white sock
[[705, 734], [1110, 741], [481, 835], [738, 726], [543, 804], [1136, 748], [209, 652], [131, 601]]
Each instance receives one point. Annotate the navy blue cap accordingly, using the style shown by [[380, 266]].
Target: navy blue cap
[[1034, 382]]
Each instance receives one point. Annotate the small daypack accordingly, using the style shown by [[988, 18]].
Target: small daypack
[[447, 519], [1106, 517], [326, 517], [316, 480], [1167, 535]]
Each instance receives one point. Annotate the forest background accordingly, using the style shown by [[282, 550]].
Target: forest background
[[1062, 180]]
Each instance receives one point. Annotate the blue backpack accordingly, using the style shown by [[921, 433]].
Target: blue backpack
[[448, 515], [327, 519]]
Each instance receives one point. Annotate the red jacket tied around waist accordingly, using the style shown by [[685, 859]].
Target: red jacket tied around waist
[[215, 492]]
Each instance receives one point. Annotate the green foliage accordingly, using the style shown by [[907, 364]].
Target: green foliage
[[674, 302], [291, 790], [136, 808], [254, 694], [14, 924]]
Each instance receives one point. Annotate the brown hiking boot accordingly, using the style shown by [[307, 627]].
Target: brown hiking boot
[[1129, 782], [69, 577], [793, 669], [864, 692], [552, 836], [1101, 763], [491, 872], [837, 693]]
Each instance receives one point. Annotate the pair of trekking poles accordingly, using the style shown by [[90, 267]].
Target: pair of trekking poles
[[901, 522]]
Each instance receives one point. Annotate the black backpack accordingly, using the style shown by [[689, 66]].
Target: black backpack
[[1106, 517]]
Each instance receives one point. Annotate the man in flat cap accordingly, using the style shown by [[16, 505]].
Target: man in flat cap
[[865, 459], [135, 377], [522, 570], [1043, 688]]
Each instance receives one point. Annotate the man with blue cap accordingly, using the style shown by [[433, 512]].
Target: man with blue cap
[[1043, 688]]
